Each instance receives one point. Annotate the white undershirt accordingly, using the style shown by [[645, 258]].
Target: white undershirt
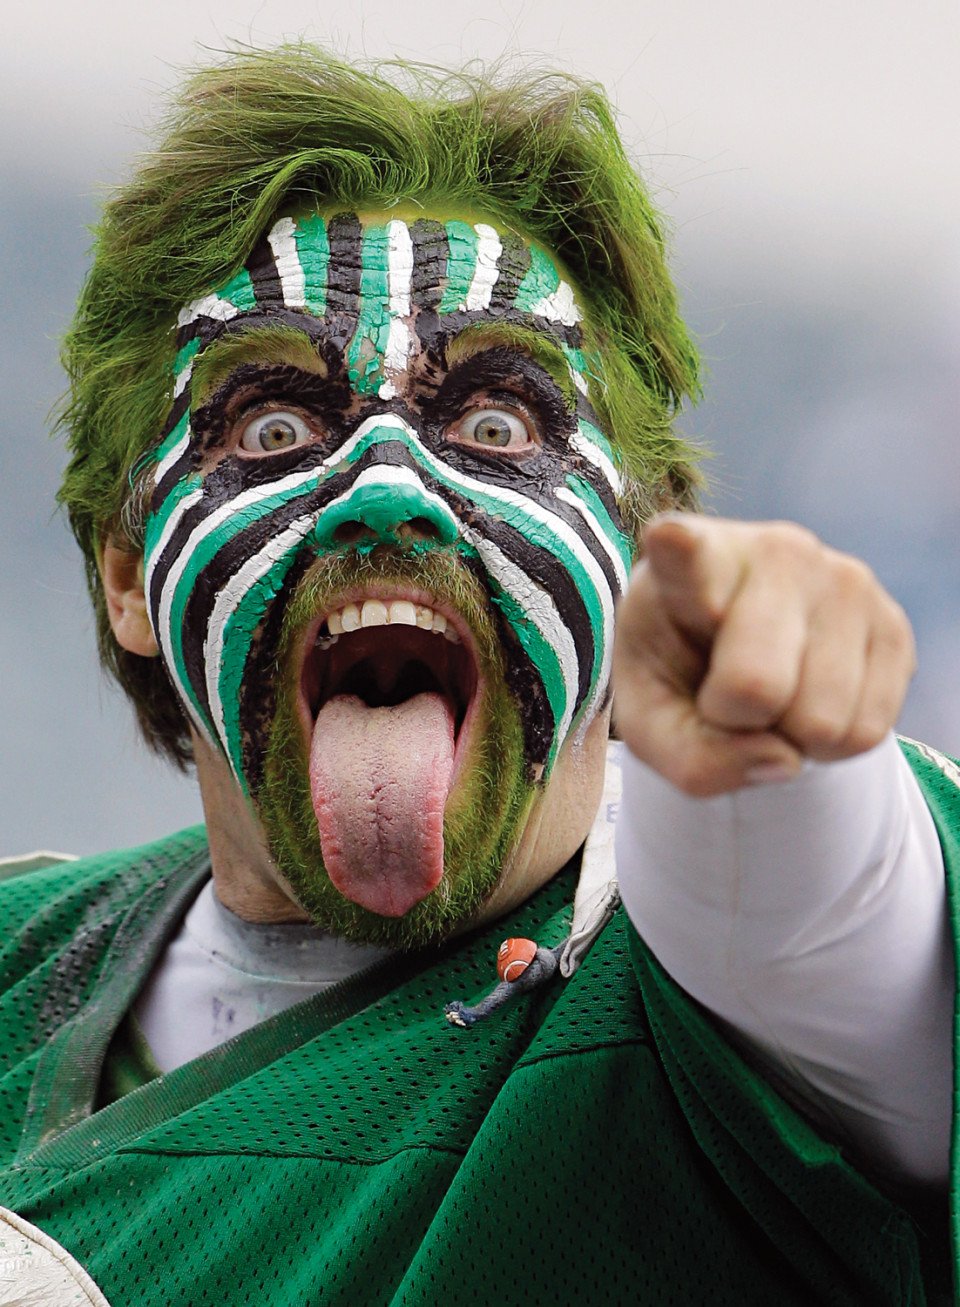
[[809, 916], [221, 975]]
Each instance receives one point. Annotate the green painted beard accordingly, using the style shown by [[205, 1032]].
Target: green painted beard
[[484, 818]]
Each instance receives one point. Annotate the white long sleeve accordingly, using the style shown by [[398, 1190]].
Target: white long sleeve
[[811, 918]]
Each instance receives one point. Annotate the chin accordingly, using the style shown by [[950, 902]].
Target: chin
[[394, 779]]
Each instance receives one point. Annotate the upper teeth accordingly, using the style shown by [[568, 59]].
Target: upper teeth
[[378, 612]]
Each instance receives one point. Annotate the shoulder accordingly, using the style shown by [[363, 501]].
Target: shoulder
[[41, 883]]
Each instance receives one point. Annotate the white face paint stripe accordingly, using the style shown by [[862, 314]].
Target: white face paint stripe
[[486, 269], [595, 455], [560, 307], [579, 380], [394, 476], [568, 497], [208, 306], [209, 524], [399, 278], [166, 463], [182, 377], [536, 604], [227, 601], [283, 246]]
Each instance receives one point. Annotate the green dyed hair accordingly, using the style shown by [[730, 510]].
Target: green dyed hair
[[266, 130]]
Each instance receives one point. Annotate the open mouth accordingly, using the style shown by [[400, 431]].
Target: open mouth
[[386, 651], [388, 687]]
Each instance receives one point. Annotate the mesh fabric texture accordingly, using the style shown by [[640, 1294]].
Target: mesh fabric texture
[[596, 1141]]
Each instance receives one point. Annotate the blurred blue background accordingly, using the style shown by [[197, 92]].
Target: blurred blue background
[[805, 154]]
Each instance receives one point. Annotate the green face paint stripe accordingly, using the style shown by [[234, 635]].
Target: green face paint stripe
[[542, 655], [185, 355], [238, 291], [238, 633], [620, 541], [313, 251], [462, 245], [170, 441], [369, 343], [596, 437], [542, 279], [539, 533], [205, 550], [157, 522]]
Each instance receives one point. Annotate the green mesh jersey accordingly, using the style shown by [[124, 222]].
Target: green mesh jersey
[[595, 1142]]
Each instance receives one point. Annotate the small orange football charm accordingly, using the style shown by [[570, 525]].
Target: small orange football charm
[[513, 958]]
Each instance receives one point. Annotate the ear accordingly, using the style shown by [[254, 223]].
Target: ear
[[121, 571]]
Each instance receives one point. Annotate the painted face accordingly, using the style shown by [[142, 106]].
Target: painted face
[[383, 551]]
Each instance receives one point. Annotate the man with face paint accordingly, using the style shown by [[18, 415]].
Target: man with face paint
[[371, 400]]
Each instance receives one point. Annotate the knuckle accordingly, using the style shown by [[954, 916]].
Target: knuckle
[[820, 729], [866, 734], [755, 688], [851, 575], [691, 777], [790, 540]]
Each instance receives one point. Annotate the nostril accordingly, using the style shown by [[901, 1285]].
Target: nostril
[[350, 533], [421, 527]]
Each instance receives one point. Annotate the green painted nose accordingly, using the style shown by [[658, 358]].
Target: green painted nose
[[386, 504]]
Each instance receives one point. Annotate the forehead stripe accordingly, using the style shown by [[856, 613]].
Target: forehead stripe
[[541, 281], [399, 277], [313, 252], [430, 252], [283, 244], [485, 269], [514, 265], [461, 262], [372, 329]]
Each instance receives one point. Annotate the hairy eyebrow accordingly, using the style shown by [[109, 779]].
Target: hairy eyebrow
[[481, 336], [269, 346]]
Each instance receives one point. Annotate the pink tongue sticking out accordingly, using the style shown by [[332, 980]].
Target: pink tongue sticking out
[[379, 779]]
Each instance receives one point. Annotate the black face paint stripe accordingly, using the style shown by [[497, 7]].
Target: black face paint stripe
[[265, 275], [258, 686], [220, 570], [547, 571], [514, 263], [345, 238], [430, 251]]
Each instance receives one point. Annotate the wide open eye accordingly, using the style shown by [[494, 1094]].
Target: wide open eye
[[269, 433], [494, 429]]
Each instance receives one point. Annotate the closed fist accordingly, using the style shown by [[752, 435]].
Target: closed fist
[[743, 648]]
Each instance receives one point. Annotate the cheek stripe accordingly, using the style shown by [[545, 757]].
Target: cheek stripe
[[583, 442], [618, 546], [537, 610], [237, 613]]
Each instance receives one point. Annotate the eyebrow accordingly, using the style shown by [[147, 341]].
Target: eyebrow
[[481, 336], [274, 345]]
